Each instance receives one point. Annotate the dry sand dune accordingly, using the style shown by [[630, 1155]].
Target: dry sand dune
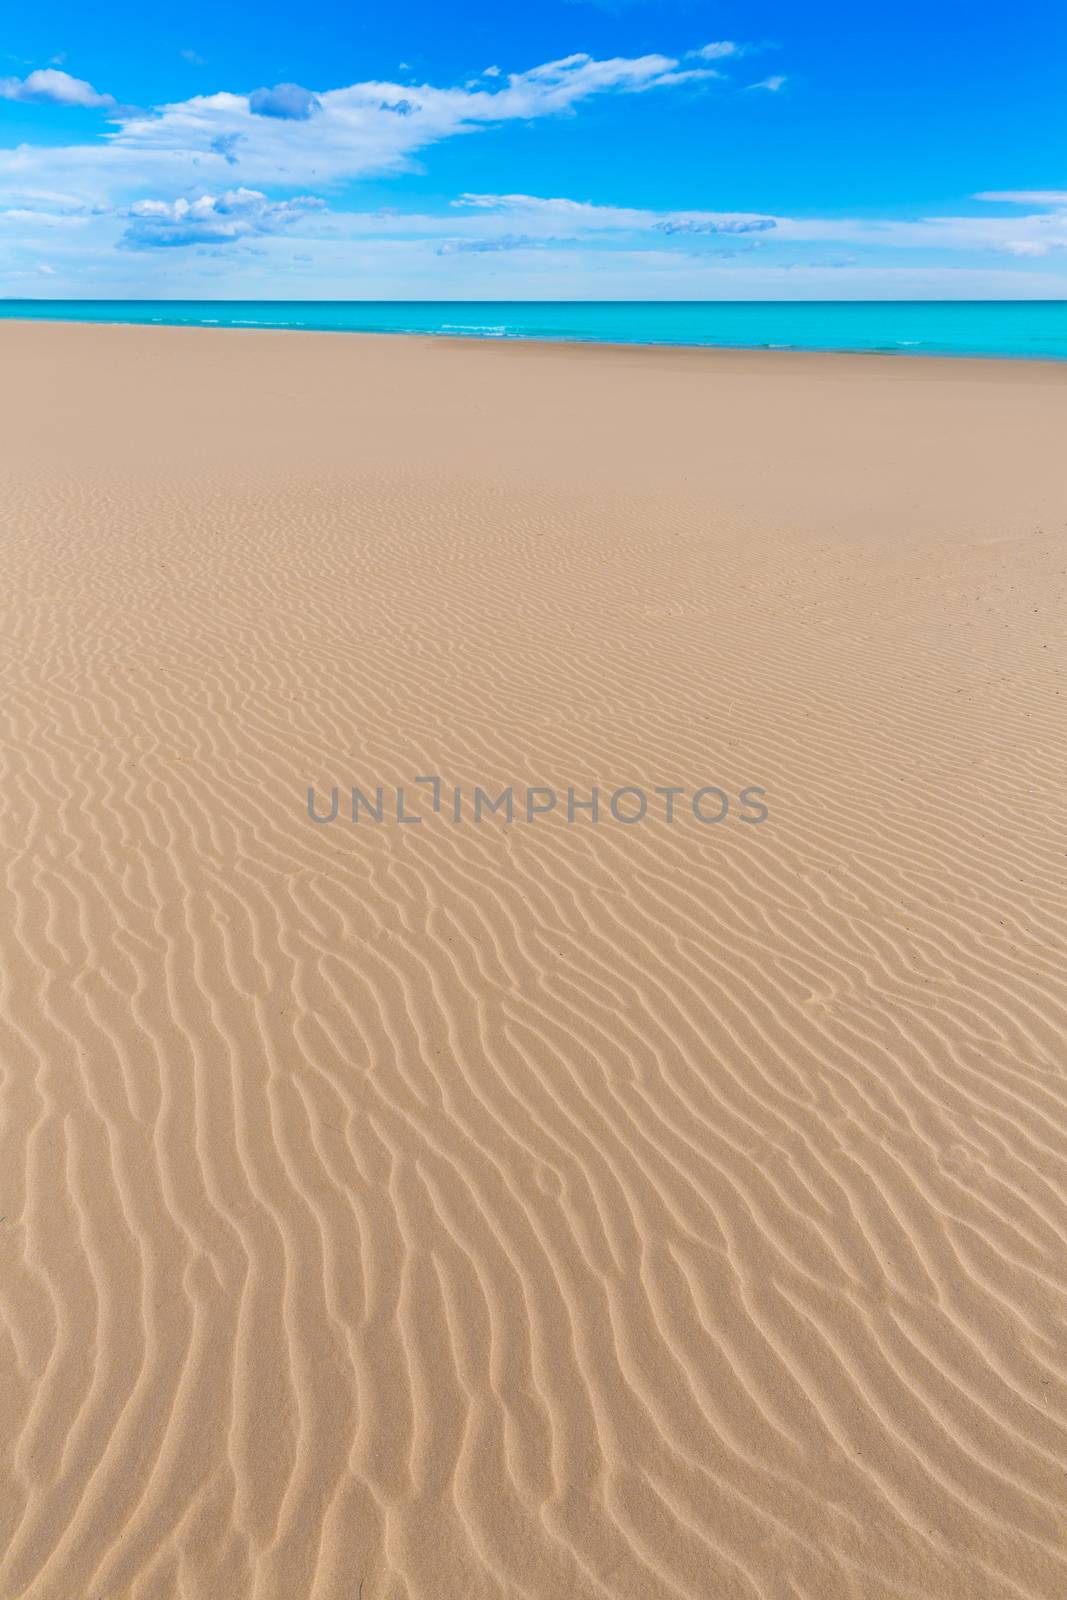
[[544, 1211]]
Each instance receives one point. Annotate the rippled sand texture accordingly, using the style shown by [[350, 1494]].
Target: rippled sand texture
[[437, 1213]]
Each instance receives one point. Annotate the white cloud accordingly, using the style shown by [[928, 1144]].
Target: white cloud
[[718, 50], [211, 219], [1026, 197], [506, 241], [365, 129], [714, 225], [1033, 235], [54, 87], [241, 177], [489, 223], [771, 84], [582, 216], [685, 75], [338, 265]]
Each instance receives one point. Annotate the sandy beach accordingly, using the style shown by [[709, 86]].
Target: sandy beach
[[638, 1206]]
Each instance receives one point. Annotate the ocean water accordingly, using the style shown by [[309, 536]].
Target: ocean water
[[1036, 328]]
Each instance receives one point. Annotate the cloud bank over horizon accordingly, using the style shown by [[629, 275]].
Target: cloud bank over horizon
[[228, 184]]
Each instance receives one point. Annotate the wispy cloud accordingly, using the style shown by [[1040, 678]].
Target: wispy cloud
[[1037, 234], [713, 225], [293, 137], [718, 50], [583, 216], [1026, 197], [506, 241], [477, 223], [50, 85], [158, 181]]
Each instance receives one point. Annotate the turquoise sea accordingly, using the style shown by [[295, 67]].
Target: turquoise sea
[[906, 327]]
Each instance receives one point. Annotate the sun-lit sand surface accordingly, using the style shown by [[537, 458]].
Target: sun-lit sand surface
[[453, 1212]]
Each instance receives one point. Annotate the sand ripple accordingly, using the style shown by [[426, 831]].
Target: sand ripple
[[653, 1212]]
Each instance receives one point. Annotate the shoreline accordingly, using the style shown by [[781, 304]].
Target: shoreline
[[566, 346], [570, 341]]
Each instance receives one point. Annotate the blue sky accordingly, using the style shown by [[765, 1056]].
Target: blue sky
[[559, 149]]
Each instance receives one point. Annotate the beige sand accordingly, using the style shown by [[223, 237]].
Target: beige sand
[[438, 1212]]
